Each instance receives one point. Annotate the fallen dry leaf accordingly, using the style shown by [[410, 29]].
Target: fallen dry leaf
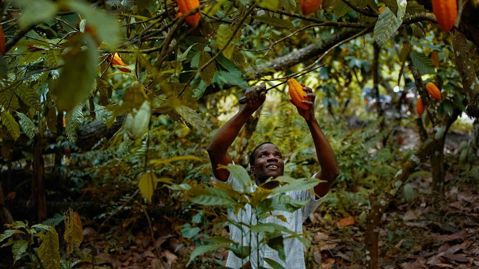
[[347, 221]]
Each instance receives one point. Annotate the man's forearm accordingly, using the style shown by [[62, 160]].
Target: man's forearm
[[325, 155], [225, 136]]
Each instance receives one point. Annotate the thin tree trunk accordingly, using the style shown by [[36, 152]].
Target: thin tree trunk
[[38, 183]]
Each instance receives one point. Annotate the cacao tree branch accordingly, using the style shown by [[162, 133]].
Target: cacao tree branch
[[323, 23], [360, 11]]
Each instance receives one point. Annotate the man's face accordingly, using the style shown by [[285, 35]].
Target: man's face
[[268, 163]]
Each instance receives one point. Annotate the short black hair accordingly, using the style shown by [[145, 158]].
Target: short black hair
[[252, 155]]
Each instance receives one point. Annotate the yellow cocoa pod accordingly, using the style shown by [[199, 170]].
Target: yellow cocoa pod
[[433, 91], [445, 12], [297, 93]]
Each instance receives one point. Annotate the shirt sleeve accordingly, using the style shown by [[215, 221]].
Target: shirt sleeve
[[311, 205]]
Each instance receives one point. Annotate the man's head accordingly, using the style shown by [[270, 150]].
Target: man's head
[[266, 161]]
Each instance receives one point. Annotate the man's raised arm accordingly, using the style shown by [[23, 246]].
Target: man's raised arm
[[224, 137], [324, 152]]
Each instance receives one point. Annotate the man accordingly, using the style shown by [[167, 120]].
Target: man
[[267, 162]]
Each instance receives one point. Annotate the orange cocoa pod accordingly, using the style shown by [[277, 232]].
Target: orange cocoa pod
[[297, 93], [445, 12], [433, 91], [309, 6], [2, 41], [419, 106], [185, 6]]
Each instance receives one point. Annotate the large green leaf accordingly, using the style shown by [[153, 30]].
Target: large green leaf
[[297, 185], [49, 250], [7, 234], [27, 125], [19, 249], [271, 4], [106, 26], [209, 71], [192, 118], [388, 23], [242, 176], [35, 11], [422, 63], [200, 250], [11, 124], [147, 183], [277, 243], [214, 197], [274, 264], [78, 74], [223, 33]]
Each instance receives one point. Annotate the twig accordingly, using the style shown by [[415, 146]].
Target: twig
[[360, 11], [17, 38]]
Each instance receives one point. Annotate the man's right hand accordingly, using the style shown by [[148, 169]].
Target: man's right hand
[[254, 97]]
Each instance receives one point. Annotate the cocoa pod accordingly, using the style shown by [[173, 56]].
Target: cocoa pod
[[445, 12], [309, 6], [185, 6], [297, 93], [433, 91], [419, 106], [117, 61]]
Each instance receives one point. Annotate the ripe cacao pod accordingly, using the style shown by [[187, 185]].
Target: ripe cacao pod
[[445, 12], [185, 6], [433, 91], [419, 106], [297, 93], [309, 6], [2, 41], [117, 62]]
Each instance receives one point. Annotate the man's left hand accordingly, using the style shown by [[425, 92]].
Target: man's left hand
[[308, 113]]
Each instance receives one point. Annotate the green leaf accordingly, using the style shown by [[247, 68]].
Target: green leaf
[[422, 63], [49, 250], [7, 234], [189, 232], [271, 4], [74, 118], [222, 35], [18, 249], [200, 250], [277, 243], [274, 264], [242, 176], [27, 125], [192, 118], [386, 26], [35, 11], [408, 192], [213, 200], [147, 184], [209, 71], [78, 74], [106, 26], [270, 228], [231, 78], [11, 124], [297, 185]]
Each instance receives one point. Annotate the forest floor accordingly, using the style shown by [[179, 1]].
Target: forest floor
[[412, 236]]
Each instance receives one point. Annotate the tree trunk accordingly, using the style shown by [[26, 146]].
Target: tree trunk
[[38, 181]]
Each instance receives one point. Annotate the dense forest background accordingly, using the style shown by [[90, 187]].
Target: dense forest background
[[106, 108]]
